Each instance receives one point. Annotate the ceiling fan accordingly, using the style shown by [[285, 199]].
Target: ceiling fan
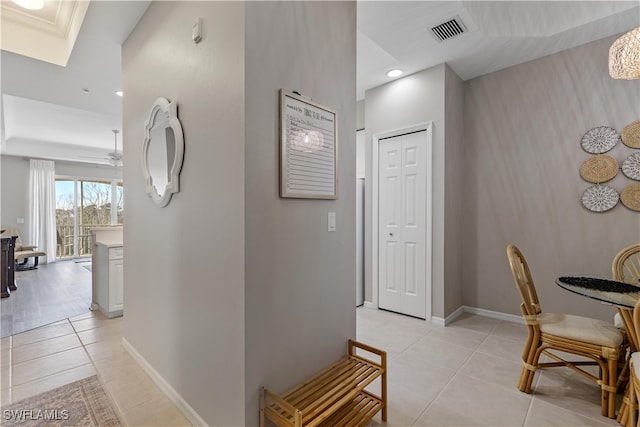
[[115, 157]]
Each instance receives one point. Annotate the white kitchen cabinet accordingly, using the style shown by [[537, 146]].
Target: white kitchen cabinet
[[109, 276]]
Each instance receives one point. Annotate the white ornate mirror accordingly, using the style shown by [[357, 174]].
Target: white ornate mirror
[[162, 151]]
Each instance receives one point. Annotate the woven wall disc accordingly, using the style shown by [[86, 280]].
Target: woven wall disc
[[631, 135], [630, 196], [600, 168], [631, 166], [599, 139], [600, 198]]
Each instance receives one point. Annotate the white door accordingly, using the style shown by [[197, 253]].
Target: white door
[[402, 224]]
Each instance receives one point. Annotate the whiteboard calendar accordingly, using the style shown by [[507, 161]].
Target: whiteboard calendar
[[308, 148]]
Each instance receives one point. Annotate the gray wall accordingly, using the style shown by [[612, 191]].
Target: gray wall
[[523, 127], [300, 279], [230, 287], [184, 264], [455, 185], [415, 99], [15, 194], [360, 114]]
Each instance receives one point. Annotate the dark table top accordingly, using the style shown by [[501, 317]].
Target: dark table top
[[617, 293]]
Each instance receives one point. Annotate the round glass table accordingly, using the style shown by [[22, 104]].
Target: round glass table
[[611, 291]]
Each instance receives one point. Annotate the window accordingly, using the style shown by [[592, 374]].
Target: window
[[80, 205]]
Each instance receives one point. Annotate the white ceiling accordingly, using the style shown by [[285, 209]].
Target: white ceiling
[[500, 33], [44, 105], [46, 113]]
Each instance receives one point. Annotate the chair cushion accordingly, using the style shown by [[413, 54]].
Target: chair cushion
[[580, 328], [617, 322], [635, 358], [27, 254]]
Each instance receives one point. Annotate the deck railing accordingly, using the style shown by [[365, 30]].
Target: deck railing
[[66, 240]]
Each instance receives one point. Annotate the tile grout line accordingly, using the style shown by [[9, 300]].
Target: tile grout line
[[11, 366], [40, 340], [84, 347], [528, 413], [103, 382], [457, 372]]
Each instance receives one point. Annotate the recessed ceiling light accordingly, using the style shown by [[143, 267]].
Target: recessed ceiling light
[[118, 92], [30, 4], [394, 73]]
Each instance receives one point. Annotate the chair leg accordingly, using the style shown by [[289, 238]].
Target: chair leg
[[623, 376], [609, 385], [530, 356], [631, 420]]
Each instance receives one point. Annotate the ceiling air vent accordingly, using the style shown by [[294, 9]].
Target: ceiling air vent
[[449, 29]]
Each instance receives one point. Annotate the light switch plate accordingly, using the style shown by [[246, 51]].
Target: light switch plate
[[331, 221], [196, 31], [20, 221]]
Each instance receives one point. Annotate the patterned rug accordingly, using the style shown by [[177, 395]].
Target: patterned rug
[[82, 403]]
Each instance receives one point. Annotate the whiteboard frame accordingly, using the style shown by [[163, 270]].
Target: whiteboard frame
[[285, 190]]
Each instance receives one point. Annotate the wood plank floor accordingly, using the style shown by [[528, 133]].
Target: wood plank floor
[[50, 293]]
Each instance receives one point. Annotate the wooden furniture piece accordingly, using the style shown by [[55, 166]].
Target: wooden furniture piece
[[4, 266], [7, 265], [624, 296], [626, 268], [23, 252], [334, 397], [628, 413], [550, 333], [626, 265], [109, 274], [632, 419]]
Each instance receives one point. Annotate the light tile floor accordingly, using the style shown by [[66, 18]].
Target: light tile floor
[[466, 375], [461, 375], [50, 356]]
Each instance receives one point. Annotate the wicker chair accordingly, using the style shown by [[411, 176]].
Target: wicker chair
[[626, 268], [626, 265], [582, 336], [633, 419]]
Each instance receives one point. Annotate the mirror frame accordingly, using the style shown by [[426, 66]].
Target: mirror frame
[[170, 111]]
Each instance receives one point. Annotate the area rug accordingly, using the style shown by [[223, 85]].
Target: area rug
[[82, 403]]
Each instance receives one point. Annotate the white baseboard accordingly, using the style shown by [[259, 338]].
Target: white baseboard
[[466, 309], [493, 314], [173, 395], [437, 321], [453, 316]]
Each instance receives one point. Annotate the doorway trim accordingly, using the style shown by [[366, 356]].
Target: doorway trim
[[375, 145]]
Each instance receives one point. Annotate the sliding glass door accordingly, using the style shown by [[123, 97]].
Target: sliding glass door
[[80, 205]]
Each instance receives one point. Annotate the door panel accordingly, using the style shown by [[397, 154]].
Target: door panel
[[402, 224], [410, 264], [389, 219], [392, 271]]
